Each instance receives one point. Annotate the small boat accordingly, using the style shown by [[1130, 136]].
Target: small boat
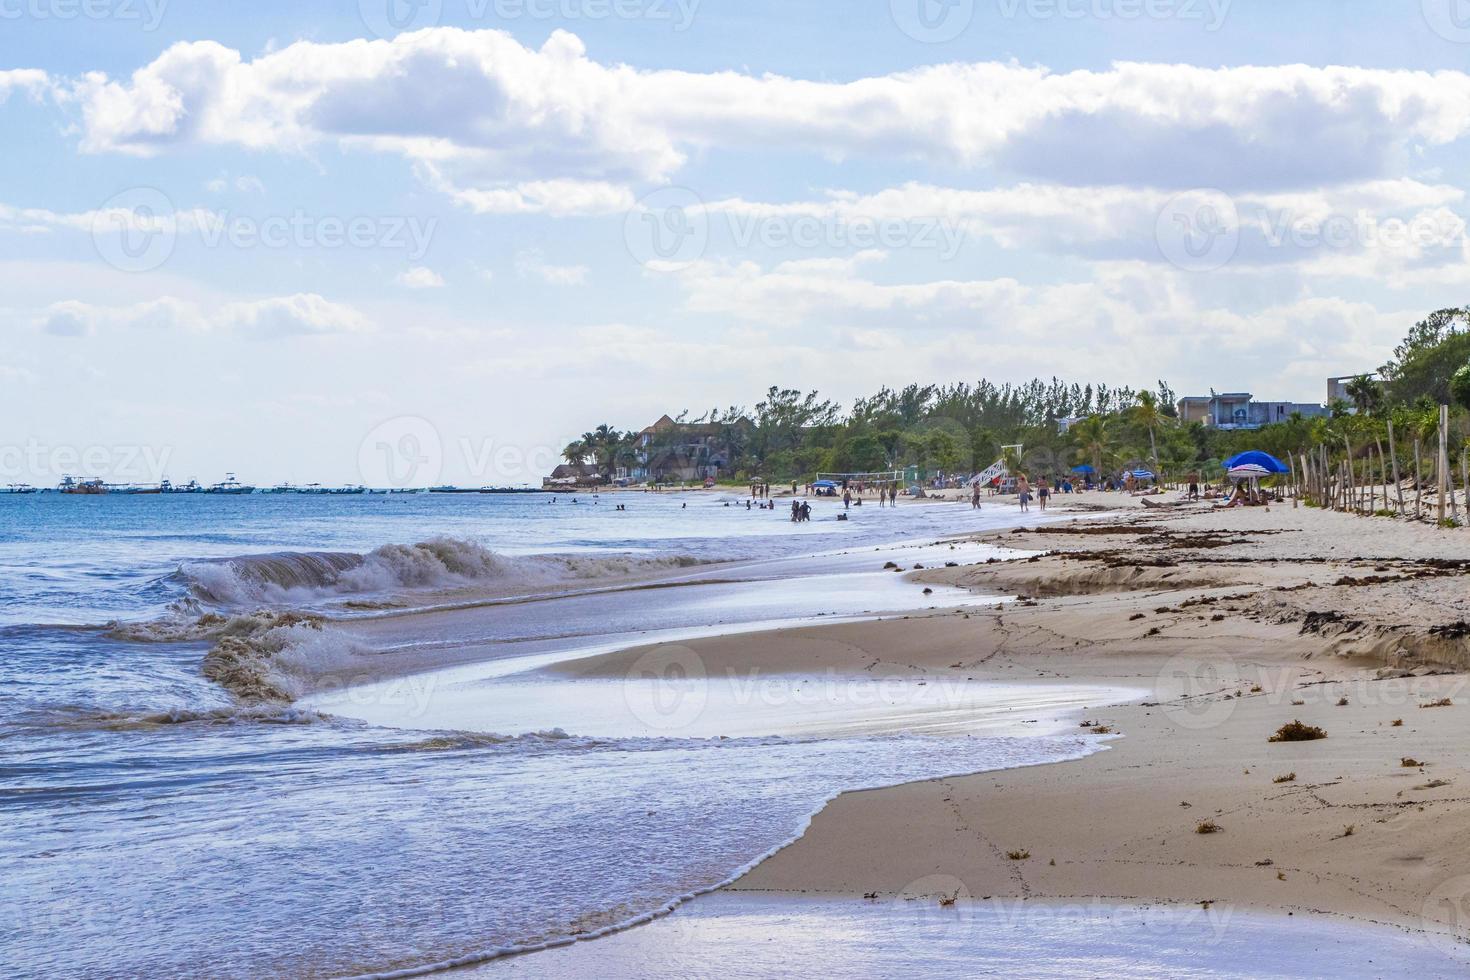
[[20, 488], [191, 487], [85, 487], [313, 488], [132, 489], [230, 485], [348, 489], [449, 489]]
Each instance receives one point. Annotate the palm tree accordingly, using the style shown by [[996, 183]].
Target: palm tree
[[1092, 434], [1148, 415], [1365, 392], [575, 452]]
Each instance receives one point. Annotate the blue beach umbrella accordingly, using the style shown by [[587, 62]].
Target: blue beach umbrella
[[1143, 474], [1084, 468], [1255, 457]]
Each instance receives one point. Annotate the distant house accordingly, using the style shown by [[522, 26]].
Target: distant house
[[571, 475], [669, 450], [1240, 410]]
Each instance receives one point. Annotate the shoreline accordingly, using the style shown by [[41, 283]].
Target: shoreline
[[1296, 609]]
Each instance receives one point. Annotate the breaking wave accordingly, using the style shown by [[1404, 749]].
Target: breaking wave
[[438, 563]]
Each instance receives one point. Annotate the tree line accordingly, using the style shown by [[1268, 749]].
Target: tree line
[[961, 428]]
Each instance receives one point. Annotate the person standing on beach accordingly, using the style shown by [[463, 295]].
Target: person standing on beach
[[1043, 491], [1023, 491], [847, 500], [975, 496]]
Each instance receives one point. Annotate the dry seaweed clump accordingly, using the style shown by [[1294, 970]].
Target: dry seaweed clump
[[1207, 827], [1289, 777], [1020, 855], [1295, 731]]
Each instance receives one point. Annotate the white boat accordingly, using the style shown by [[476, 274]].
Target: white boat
[[230, 485]]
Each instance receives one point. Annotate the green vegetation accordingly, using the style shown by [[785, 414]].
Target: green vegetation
[[961, 428]]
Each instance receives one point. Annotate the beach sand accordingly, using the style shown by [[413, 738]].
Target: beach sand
[[1237, 621]]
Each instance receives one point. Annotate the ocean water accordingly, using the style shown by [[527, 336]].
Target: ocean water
[[211, 765], [739, 935]]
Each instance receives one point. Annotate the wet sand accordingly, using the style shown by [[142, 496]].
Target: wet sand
[[1238, 621]]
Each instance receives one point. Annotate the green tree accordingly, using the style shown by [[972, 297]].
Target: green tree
[[1366, 393], [1434, 349], [575, 452], [1092, 437], [1147, 414], [1460, 386]]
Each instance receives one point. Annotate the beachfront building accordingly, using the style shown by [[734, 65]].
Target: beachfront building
[[572, 475], [669, 450], [1241, 410]]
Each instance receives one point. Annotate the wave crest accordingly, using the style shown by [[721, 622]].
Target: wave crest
[[284, 578]]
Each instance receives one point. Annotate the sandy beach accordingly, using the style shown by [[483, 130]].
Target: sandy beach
[[1237, 622]]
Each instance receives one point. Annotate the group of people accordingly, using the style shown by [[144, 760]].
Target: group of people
[[887, 496], [800, 511]]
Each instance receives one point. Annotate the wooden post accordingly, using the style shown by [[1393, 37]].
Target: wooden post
[[1465, 478], [1442, 460], [1418, 482], [1382, 471], [1394, 456]]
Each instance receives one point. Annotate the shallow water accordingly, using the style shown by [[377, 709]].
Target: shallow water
[[158, 825], [736, 936]]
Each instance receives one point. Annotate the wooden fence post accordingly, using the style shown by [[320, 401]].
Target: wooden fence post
[[1418, 483], [1394, 456]]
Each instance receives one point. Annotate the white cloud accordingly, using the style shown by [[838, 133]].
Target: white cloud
[[300, 314], [420, 277], [507, 120], [531, 263], [1095, 328], [28, 81]]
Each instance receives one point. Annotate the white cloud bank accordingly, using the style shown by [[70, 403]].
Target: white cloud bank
[[301, 314], [507, 128]]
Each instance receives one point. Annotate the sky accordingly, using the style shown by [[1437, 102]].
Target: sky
[[405, 242]]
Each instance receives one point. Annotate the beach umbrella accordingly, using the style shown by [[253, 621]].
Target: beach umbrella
[[1254, 457], [1084, 468], [1248, 471], [1143, 474], [824, 483]]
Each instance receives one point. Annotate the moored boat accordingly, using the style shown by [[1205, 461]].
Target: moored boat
[[230, 485], [85, 487]]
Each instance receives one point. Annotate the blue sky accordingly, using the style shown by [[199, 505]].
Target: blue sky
[[288, 240]]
